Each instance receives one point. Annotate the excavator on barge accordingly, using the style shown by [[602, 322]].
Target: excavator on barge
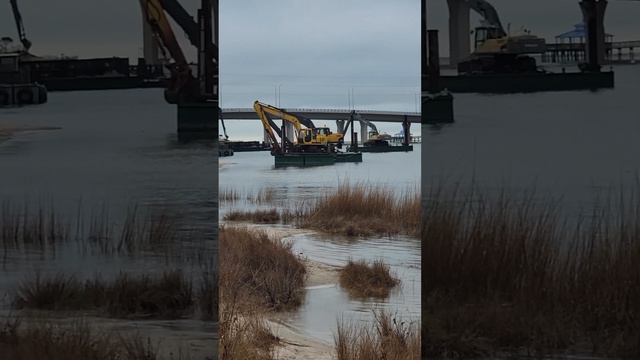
[[499, 51], [308, 138], [299, 142]]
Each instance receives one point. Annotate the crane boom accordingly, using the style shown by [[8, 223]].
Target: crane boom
[[488, 13], [18, 18]]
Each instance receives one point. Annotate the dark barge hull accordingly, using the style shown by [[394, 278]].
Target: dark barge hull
[[303, 160], [523, 83], [101, 83], [385, 149]]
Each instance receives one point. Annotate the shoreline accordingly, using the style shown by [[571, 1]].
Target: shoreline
[[294, 344]]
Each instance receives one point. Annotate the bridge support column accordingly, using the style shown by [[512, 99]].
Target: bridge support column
[[289, 132], [593, 15], [459, 29], [406, 132], [198, 121], [364, 131], [340, 126]]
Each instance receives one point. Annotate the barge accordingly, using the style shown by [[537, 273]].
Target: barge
[[315, 159]]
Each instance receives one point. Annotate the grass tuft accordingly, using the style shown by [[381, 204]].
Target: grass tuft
[[257, 269], [389, 339], [362, 279]]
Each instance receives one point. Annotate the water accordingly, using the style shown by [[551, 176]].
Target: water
[[115, 147], [570, 144], [111, 150], [325, 304]]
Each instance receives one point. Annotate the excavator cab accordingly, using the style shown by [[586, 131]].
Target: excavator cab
[[484, 33]]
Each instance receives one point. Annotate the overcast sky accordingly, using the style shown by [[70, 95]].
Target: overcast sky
[[315, 52]]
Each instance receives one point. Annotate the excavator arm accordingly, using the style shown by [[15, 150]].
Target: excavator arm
[[183, 86], [18, 18], [488, 13]]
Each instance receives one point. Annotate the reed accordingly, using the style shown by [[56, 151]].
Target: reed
[[228, 195], [363, 279], [78, 341], [168, 296], [44, 230], [271, 216], [514, 274], [245, 335], [258, 270], [390, 338], [362, 210]]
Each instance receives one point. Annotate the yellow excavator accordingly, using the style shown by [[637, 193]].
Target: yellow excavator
[[308, 138], [496, 50]]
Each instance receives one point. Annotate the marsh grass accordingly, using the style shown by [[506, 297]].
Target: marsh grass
[[362, 210], [514, 274], [363, 279], [271, 216], [77, 341], [265, 195], [390, 338], [168, 296], [245, 335], [258, 270], [207, 295], [44, 230]]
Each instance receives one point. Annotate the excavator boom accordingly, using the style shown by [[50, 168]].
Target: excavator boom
[[488, 13], [20, 26]]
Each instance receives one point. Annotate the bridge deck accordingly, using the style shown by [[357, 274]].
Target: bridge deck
[[328, 114]]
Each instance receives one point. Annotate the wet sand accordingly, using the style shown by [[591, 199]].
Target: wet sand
[[294, 344]]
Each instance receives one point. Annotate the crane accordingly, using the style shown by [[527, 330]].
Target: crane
[[183, 86], [309, 138], [18, 18]]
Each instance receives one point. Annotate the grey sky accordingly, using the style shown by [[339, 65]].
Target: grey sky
[[546, 18], [315, 52]]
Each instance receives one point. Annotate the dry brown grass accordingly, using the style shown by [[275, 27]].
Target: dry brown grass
[[514, 275], [244, 335], [207, 296], [271, 216], [167, 296], [363, 279], [389, 339], [78, 341], [359, 209], [258, 270]]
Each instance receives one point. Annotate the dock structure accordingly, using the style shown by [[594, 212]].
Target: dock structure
[[616, 52]]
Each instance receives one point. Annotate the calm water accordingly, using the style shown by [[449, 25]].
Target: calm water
[[248, 173], [113, 150], [568, 144]]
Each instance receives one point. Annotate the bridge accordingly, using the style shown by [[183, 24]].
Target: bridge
[[329, 114], [366, 117]]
